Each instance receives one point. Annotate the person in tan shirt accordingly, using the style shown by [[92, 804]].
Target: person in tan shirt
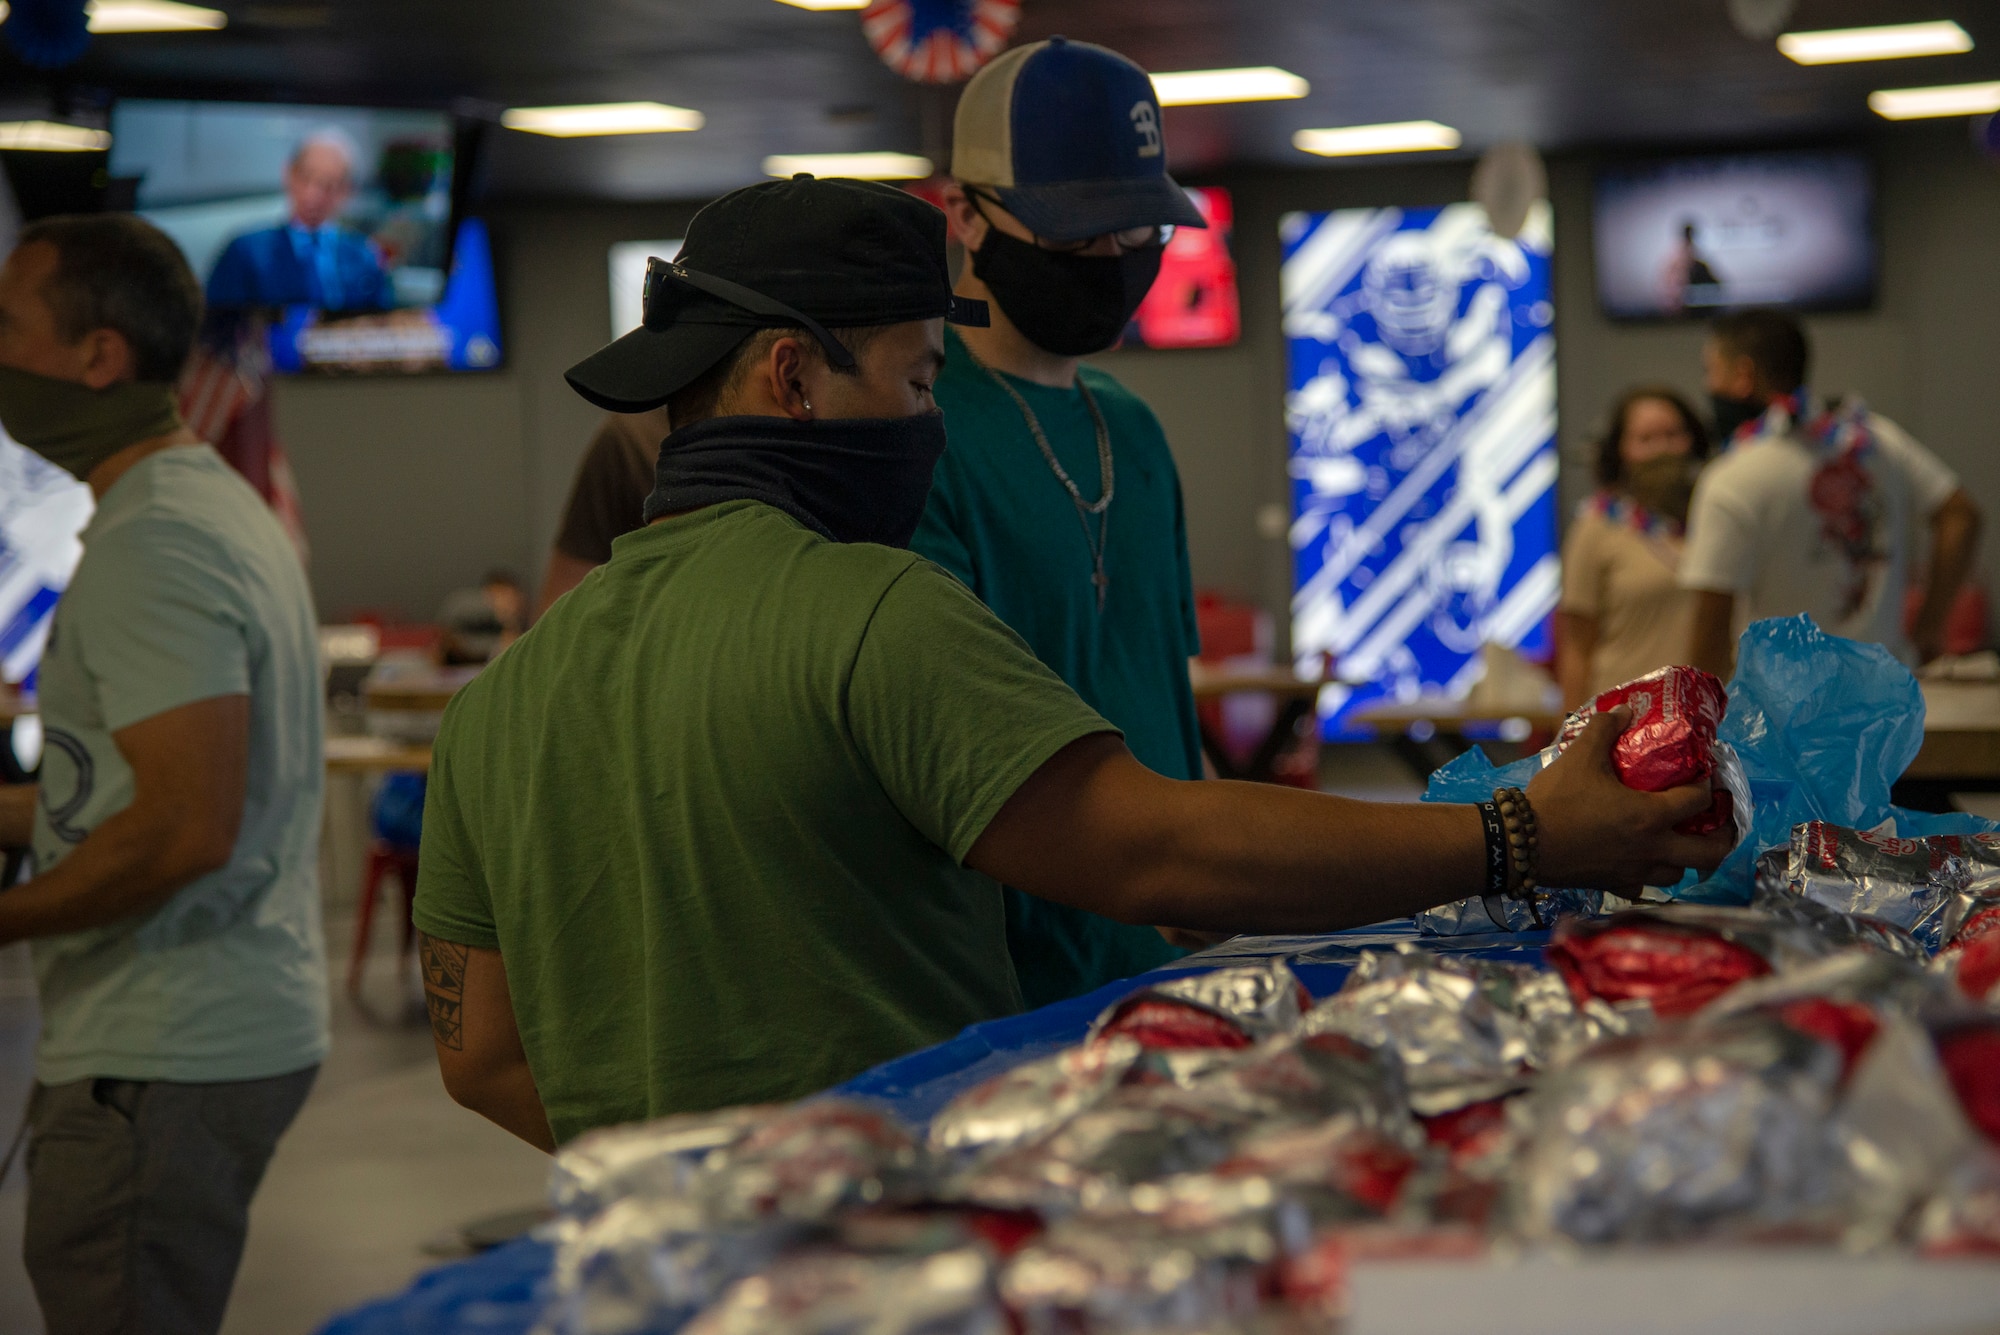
[[611, 487], [1623, 612]]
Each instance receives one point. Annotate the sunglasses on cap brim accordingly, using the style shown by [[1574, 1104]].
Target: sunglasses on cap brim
[[669, 287]]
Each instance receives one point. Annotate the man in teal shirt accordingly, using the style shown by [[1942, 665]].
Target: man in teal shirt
[[729, 825], [1058, 502]]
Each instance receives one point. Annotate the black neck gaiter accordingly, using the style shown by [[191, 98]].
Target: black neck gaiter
[[858, 479]]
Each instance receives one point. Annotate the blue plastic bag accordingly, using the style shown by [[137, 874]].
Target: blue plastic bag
[[1824, 726]]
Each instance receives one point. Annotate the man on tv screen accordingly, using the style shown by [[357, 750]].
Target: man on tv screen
[[309, 259]]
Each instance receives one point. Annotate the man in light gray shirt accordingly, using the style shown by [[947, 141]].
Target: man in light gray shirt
[[174, 916]]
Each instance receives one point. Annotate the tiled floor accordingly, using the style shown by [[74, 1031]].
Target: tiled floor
[[379, 1166]]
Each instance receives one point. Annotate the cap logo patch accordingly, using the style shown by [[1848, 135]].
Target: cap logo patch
[[1146, 120]]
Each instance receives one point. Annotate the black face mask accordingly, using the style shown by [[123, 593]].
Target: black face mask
[[1071, 305], [1732, 413], [857, 479]]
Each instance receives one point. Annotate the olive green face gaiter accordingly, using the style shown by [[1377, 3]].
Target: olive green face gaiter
[[76, 427]]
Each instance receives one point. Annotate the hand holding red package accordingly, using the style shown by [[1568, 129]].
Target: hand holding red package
[[1671, 741]]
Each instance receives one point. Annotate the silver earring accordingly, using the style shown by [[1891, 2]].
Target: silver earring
[[807, 402]]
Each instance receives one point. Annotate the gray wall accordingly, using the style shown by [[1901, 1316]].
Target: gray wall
[[412, 488]]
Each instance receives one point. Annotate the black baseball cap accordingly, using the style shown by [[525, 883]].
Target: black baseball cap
[[804, 253]]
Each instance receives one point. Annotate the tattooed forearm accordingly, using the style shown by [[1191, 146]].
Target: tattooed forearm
[[444, 989]]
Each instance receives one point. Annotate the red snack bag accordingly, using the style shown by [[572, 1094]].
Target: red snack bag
[[1970, 1056], [1671, 738], [1848, 1025], [1678, 967], [1223, 1008], [1156, 1022], [1975, 963]]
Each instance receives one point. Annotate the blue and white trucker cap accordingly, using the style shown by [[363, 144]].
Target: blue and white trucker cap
[[1069, 136]]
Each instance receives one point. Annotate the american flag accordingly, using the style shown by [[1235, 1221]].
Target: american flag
[[225, 398]]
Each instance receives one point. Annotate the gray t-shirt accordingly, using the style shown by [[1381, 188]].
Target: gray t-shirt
[[188, 590]]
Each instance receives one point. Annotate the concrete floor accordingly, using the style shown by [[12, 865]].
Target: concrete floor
[[367, 1188]]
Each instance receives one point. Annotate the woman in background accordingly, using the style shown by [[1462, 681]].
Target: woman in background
[[1623, 612]]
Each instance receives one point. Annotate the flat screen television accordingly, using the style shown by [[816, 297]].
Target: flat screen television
[[338, 224], [1687, 237], [1193, 303]]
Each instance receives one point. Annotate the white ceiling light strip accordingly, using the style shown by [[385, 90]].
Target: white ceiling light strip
[[573, 122], [1262, 83], [1959, 99], [1394, 137], [1897, 41], [860, 166]]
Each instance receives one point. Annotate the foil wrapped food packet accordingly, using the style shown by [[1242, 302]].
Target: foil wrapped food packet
[[659, 1157], [1209, 1260], [647, 1263], [1679, 957], [1712, 1131], [1223, 1008], [1972, 967], [1909, 883], [829, 1291], [1453, 1044], [1975, 909], [1137, 1134], [1031, 1099], [1774, 893]]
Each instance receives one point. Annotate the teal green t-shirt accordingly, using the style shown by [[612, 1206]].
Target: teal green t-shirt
[[712, 811], [1001, 521], [188, 590]]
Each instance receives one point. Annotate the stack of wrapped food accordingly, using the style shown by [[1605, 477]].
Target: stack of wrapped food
[[1219, 1147], [1820, 1066]]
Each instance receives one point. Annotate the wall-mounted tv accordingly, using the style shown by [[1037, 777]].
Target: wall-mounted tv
[[1193, 302], [1687, 237], [338, 223]]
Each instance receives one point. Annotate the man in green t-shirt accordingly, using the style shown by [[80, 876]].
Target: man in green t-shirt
[[1058, 503], [729, 823]]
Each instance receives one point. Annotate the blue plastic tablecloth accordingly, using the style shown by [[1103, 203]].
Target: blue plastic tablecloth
[[497, 1293]]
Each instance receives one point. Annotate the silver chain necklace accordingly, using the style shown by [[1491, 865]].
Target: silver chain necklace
[[1100, 509]]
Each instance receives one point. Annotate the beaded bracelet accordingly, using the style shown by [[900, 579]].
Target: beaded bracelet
[[1523, 840]]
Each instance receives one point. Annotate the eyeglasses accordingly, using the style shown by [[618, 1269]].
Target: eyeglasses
[[1131, 238]]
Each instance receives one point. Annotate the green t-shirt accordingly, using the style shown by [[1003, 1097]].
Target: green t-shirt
[[711, 810], [188, 590], [1000, 520]]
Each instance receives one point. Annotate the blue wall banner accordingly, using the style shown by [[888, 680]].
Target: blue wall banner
[[1422, 416]]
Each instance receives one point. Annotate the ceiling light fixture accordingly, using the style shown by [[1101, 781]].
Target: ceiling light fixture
[[1263, 83], [1958, 99], [1896, 41], [152, 16], [1397, 137], [826, 4], [602, 118], [51, 137], [861, 166]]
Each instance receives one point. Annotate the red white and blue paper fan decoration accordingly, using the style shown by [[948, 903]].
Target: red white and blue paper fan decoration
[[939, 41]]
